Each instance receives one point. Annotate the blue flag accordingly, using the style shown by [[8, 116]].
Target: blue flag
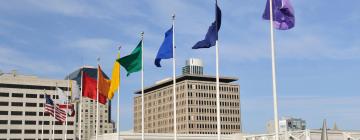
[[166, 48], [283, 14], [212, 34]]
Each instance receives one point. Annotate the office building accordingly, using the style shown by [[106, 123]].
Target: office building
[[22, 114], [196, 104], [88, 115]]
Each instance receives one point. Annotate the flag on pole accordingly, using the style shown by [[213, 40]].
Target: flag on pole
[[68, 108], [74, 90], [89, 89], [62, 95], [166, 49], [115, 79], [212, 34], [104, 84], [283, 14], [132, 62], [51, 108]]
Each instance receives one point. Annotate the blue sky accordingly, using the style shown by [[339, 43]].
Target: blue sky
[[317, 61]]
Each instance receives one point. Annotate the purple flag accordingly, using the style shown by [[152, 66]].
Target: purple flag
[[283, 14]]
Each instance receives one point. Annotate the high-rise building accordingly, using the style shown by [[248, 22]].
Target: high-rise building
[[88, 115], [196, 104], [22, 114]]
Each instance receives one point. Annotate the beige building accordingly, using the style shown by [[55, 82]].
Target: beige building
[[196, 104], [88, 115], [22, 111]]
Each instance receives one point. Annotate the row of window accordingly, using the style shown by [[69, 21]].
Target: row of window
[[213, 87], [27, 113], [20, 104], [33, 131], [212, 95], [27, 95], [212, 118], [31, 122], [212, 103], [213, 126]]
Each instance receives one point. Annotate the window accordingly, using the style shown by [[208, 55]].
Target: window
[[16, 104], [30, 104], [19, 95], [30, 113], [58, 131], [31, 95], [41, 104], [32, 131], [27, 122], [3, 113], [41, 96], [70, 131], [2, 94], [16, 112], [3, 121], [16, 122], [4, 103], [3, 131], [15, 131]]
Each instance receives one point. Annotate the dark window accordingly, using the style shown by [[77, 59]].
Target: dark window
[[58, 123], [3, 121], [41, 113], [20, 95], [16, 104], [29, 139], [2, 94], [31, 95], [30, 113], [46, 131], [3, 113], [70, 132], [30, 122], [3, 131], [4, 103], [16, 122], [15, 131], [47, 114], [58, 131], [30, 131], [41, 104], [41, 96], [16, 112], [15, 139], [46, 123], [71, 123], [30, 104]]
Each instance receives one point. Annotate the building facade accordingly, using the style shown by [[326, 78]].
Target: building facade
[[22, 114], [287, 124], [196, 105], [88, 109]]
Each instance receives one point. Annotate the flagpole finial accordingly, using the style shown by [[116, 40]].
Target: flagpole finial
[[98, 59], [119, 47], [173, 16]]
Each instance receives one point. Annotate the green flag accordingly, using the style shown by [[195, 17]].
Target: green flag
[[132, 62]]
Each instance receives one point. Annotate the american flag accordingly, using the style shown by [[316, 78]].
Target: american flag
[[60, 114]]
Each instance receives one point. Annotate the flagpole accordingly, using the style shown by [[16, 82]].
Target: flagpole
[[53, 127], [217, 81], [80, 104], [97, 103], [142, 88], [276, 119], [118, 101], [174, 78], [67, 108], [42, 123]]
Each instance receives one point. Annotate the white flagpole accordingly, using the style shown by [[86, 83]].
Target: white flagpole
[[53, 127], [118, 102], [43, 120], [97, 102], [67, 108], [80, 105], [217, 92], [276, 119], [142, 88], [174, 78]]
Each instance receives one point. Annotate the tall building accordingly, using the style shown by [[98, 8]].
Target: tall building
[[196, 104], [22, 108], [88, 115], [287, 124]]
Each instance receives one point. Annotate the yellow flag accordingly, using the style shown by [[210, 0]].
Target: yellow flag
[[115, 79]]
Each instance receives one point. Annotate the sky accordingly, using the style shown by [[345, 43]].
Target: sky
[[317, 61]]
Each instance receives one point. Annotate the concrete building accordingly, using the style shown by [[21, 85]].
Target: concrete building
[[88, 115], [22, 112], [196, 104], [287, 124]]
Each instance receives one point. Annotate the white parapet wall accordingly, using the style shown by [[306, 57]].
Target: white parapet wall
[[291, 135]]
